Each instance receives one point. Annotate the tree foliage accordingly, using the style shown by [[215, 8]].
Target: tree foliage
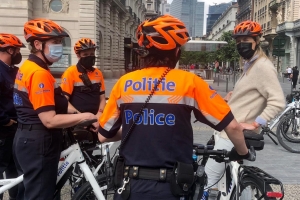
[[227, 53]]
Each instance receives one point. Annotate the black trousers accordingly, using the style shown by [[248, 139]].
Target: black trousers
[[294, 83], [36, 153], [7, 164], [148, 190]]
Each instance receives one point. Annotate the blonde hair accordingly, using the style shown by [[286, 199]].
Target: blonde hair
[[259, 52]]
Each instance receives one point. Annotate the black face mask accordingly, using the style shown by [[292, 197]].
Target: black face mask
[[88, 62], [245, 50], [16, 59]]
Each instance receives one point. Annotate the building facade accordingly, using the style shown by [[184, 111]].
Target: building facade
[[245, 10], [191, 13], [152, 8], [266, 17], [214, 12], [110, 23], [226, 22], [288, 17], [165, 8]]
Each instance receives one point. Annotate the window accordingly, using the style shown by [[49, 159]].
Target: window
[[101, 9], [167, 10], [149, 6], [56, 5]]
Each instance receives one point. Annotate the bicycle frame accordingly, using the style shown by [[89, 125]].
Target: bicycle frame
[[289, 107], [235, 174], [72, 154], [103, 152]]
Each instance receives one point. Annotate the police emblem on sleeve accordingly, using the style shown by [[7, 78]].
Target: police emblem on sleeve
[[41, 85]]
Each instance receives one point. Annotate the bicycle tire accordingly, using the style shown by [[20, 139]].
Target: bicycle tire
[[249, 181], [279, 132], [284, 128], [85, 190]]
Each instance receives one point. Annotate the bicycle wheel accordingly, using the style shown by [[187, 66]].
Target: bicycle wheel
[[292, 135], [287, 134], [253, 190], [85, 192]]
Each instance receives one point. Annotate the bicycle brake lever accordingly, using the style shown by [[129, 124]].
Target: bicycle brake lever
[[252, 154]]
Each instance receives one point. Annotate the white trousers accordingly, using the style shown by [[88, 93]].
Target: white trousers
[[213, 169]]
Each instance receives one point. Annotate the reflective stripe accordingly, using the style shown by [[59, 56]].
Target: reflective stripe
[[20, 88], [56, 85], [171, 99], [78, 84], [81, 83], [109, 124], [168, 99]]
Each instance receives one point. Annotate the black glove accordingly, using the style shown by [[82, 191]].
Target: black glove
[[233, 155]]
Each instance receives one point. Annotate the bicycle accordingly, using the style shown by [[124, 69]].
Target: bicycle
[[95, 162], [267, 130], [237, 177], [290, 139], [79, 138]]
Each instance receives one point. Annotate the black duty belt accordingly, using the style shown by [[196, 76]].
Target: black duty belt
[[32, 126], [158, 174]]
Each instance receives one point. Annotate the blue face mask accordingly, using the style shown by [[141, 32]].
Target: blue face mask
[[55, 52]]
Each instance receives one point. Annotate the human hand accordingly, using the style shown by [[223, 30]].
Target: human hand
[[11, 122], [235, 156], [95, 125], [248, 126], [228, 96]]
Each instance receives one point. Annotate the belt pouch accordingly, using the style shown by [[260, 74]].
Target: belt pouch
[[182, 179], [119, 164]]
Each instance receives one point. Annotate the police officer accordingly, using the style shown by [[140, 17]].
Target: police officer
[[41, 108], [163, 135], [9, 57], [83, 84]]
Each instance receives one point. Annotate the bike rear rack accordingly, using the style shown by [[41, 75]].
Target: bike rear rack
[[258, 173]]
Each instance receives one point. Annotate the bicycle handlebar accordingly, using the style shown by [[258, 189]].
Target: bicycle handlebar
[[220, 155]]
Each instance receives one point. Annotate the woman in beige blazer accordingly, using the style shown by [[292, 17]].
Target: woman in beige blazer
[[257, 96]]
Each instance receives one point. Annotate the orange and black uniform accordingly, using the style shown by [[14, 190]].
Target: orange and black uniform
[[163, 134], [36, 148], [7, 133], [83, 98]]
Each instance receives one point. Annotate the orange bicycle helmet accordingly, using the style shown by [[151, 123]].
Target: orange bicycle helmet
[[84, 44], [164, 32], [9, 40], [247, 28], [42, 29]]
